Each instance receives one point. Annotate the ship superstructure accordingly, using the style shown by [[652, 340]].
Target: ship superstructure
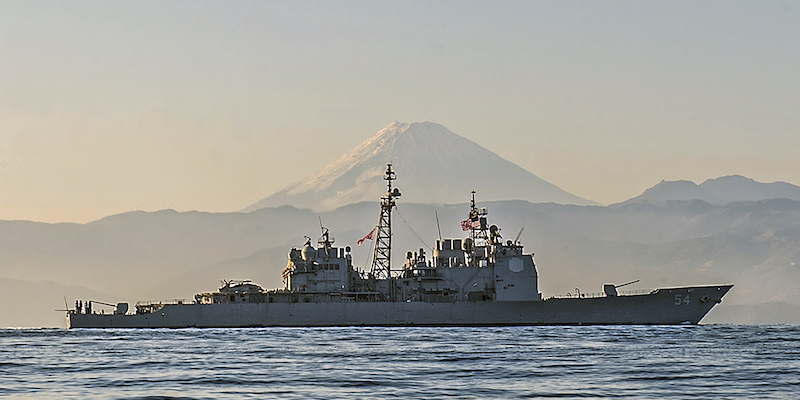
[[478, 280]]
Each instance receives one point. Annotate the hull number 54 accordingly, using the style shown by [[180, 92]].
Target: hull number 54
[[681, 300]]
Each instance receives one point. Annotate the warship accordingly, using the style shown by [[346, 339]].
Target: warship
[[478, 280]]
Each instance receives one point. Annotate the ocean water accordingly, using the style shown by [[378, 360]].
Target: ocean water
[[706, 362]]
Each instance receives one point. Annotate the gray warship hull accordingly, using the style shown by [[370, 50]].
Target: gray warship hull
[[480, 280], [668, 306]]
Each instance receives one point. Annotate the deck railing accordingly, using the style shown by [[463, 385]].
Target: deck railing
[[592, 295], [162, 302]]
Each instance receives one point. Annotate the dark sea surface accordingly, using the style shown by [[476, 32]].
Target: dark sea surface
[[707, 362]]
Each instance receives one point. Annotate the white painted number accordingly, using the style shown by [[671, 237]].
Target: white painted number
[[681, 300]]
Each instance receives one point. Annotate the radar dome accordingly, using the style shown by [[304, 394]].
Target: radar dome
[[308, 253]]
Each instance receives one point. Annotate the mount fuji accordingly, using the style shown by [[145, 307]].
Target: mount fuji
[[433, 165]]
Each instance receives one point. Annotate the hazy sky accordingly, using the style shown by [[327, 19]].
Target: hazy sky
[[107, 107]]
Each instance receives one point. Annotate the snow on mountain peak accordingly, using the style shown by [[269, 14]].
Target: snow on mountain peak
[[433, 164]]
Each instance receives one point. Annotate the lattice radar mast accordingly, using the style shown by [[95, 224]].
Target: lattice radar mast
[[382, 260]]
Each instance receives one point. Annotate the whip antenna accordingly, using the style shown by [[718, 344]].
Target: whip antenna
[[437, 225], [518, 235]]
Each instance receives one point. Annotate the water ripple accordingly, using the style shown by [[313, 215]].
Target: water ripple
[[717, 361]]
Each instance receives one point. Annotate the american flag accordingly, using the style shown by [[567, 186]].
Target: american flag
[[370, 236], [470, 223]]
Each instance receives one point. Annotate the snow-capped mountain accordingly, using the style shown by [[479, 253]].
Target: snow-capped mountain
[[433, 166], [719, 191]]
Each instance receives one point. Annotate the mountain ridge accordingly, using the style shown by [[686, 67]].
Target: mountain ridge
[[716, 191]]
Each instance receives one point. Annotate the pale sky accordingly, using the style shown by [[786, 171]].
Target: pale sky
[[108, 107]]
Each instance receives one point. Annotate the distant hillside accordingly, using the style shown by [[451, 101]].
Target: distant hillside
[[719, 191], [433, 165], [34, 304], [738, 188], [166, 255], [127, 254]]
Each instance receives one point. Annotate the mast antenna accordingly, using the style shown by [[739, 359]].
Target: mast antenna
[[477, 218], [437, 224], [325, 238], [516, 239]]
